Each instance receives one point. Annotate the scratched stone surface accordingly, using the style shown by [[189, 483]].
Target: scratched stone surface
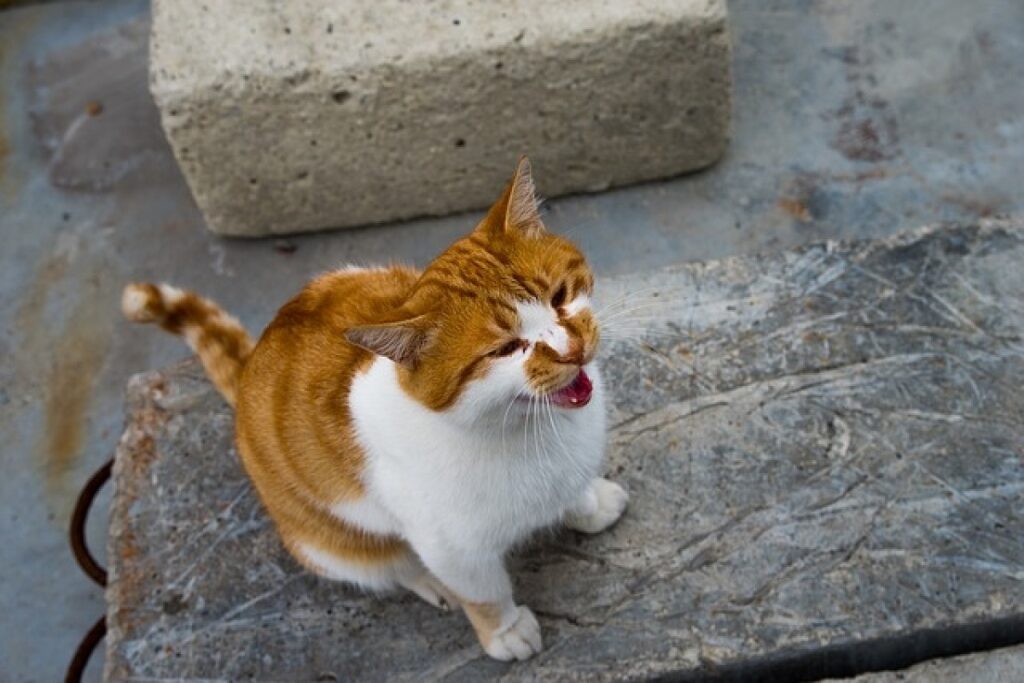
[[823, 447]]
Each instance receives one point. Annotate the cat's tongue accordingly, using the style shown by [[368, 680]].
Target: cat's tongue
[[575, 395]]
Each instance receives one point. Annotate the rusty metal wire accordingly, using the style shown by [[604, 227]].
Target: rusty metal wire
[[87, 561]]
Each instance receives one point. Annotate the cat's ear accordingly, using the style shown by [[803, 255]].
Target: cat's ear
[[401, 341], [518, 209], [523, 211]]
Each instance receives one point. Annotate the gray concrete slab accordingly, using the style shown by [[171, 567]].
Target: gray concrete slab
[[823, 447], [930, 88]]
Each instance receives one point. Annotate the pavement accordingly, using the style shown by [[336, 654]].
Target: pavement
[[851, 120]]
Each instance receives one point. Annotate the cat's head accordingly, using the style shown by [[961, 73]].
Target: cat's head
[[502, 316]]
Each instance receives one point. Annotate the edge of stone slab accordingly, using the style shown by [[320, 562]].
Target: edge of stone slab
[[864, 659], [146, 409], [1009, 223]]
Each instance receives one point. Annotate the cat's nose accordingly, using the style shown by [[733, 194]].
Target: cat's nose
[[575, 354]]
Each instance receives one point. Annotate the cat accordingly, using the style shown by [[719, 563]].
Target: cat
[[406, 428]]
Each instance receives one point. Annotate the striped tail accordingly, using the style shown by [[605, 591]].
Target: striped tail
[[219, 340]]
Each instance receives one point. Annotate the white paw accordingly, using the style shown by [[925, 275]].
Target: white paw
[[520, 640], [611, 503]]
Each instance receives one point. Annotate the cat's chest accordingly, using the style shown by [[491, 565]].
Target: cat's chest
[[481, 490], [520, 475]]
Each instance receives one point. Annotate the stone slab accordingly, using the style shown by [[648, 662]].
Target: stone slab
[[998, 666], [311, 114], [824, 449]]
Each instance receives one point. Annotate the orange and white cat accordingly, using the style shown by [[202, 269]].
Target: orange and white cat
[[406, 428]]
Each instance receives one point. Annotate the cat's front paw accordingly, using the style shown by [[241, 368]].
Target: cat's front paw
[[519, 640], [605, 503]]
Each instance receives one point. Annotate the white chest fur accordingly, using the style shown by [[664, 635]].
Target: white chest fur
[[485, 485]]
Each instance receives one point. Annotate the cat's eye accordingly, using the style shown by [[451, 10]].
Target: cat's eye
[[558, 300], [509, 348]]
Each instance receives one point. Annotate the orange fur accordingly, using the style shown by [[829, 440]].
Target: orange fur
[[443, 326]]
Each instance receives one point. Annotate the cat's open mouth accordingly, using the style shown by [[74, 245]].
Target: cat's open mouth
[[576, 394]]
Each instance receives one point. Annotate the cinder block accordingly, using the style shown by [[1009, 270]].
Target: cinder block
[[311, 114]]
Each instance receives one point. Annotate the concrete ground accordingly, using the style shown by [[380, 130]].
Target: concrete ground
[[852, 120]]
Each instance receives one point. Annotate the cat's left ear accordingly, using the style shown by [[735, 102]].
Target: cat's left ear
[[518, 210], [401, 341]]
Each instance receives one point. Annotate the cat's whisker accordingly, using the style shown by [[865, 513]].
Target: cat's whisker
[[647, 309], [653, 328], [632, 322], [554, 428], [634, 306], [649, 288], [618, 306], [567, 456], [536, 427], [654, 324], [643, 291], [639, 332], [512, 402], [526, 424]]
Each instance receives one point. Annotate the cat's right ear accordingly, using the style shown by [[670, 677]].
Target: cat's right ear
[[402, 341], [518, 209]]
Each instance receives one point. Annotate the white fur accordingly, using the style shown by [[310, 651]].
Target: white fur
[[598, 508], [171, 294], [373, 577], [367, 514], [356, 268], [579, 303], [133, 302], [539, 322], [465, 485], [518, 637]]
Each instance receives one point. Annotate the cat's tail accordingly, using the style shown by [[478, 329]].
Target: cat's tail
[[219, 340]]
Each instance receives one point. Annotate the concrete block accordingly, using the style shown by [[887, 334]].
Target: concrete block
[[311, 114], [823, 450]]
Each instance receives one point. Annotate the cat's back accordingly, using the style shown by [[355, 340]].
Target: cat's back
[[292, 416], [306, 337]]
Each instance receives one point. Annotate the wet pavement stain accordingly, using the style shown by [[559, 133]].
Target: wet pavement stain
[[4, 149], [867, 129], [58, 364], [78, 357], [795, 208], [5, 145]]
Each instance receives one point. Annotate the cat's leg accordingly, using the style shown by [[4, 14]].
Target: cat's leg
[[482, 587], [379, 574], [403, 570], [422, 583], [362, 516], [600, 506]]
